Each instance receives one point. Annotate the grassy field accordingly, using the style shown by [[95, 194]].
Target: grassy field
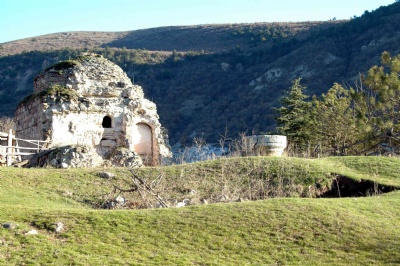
[[281, 229]]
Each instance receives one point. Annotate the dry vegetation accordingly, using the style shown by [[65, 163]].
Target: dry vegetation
[[237, 180], [6, 123]]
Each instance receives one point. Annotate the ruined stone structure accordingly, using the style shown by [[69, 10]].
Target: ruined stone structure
[[89, 101]]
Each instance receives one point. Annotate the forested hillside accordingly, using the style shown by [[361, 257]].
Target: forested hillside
[[211, 78]]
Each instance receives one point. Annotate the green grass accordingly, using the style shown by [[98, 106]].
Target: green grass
[[56, 90], [63, 65], [275, 231]]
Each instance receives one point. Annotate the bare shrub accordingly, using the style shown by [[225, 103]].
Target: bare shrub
[[6, 123], [199, 151], [239, 146], [244, 146], [223, 180], [139, 191]]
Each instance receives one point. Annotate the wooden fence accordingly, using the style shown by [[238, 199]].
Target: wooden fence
[[11, 151]]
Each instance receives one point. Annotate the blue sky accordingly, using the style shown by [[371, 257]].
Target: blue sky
[[27, 18]]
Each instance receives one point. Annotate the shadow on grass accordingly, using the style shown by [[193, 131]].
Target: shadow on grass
[[343, 186]]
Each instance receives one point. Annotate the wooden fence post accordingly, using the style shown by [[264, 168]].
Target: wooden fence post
[[9, 148], [17, 151]]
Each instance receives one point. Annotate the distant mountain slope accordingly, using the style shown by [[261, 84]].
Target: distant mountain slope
[[211, 38], [216, 38], [57, 41], [208, 78]]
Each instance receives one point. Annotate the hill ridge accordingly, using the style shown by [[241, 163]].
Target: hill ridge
[[92, 39]]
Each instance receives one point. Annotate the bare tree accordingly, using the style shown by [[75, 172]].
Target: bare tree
[[6, 123]]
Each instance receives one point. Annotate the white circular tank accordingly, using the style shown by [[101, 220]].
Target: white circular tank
[[268, 145]]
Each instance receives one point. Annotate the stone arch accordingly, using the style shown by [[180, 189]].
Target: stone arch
[[143, 142], [107, 122]]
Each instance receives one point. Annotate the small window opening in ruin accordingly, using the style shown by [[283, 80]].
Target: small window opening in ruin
[[107, 121]]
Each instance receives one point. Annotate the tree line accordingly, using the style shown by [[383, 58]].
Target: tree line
[[359, 120]]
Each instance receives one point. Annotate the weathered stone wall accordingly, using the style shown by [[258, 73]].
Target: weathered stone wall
[[29, 121], [48, 79], [89, 90], [81, 128]]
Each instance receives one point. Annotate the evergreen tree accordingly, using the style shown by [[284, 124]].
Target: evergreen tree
[[294, 117], [378, 105], [342, 121], [384, 82], [335, 121]]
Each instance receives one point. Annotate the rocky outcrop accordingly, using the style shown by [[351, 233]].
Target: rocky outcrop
[[69, 157], [89, 101]]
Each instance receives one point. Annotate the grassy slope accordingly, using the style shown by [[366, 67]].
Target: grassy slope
[[294, 231]]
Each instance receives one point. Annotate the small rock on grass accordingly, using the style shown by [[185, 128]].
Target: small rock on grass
[[32, 232], [59, 227], [10, 225], [106, 175]]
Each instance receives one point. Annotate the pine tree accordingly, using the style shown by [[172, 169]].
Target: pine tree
[[294, 117], [378, 105], [384, 81], [335, 121]]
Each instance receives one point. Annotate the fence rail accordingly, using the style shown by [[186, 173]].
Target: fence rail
[[13, 152]]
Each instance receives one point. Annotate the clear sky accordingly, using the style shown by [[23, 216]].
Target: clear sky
[[28, 18]]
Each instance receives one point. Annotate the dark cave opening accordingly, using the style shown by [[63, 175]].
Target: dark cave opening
[[343, 186]]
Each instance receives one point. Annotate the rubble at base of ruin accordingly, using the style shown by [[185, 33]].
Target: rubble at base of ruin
[[89, 103]]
